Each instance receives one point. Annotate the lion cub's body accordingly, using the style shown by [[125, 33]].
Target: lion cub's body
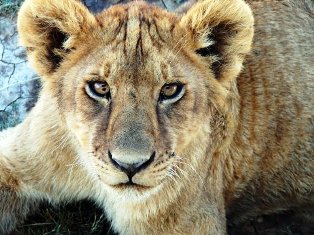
[[275, 132], [253, 155]]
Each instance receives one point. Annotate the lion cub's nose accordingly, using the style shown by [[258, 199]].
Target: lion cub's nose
[[131, 168]]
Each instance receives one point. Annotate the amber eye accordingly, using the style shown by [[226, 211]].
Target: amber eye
[[98, 90], [171, 92]]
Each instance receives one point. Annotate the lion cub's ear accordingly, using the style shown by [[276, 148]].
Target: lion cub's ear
[[223, 33], [48, 28]]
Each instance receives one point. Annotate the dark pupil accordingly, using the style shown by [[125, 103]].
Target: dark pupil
[[101, 88], [169, 90]]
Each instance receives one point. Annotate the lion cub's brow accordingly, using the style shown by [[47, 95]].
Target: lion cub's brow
[[138, 29]]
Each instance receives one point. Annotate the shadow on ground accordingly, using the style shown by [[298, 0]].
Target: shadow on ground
[[84, 218]]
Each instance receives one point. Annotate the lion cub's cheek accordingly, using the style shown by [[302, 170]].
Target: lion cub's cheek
[[80, 132]]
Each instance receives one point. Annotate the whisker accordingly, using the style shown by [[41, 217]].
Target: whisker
[[184, 173], [183, 161]]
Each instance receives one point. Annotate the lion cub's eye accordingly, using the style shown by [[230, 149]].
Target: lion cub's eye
[[98, 90], [171, 92]]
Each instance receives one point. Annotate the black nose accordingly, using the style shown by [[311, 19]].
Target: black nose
[[131, 169]]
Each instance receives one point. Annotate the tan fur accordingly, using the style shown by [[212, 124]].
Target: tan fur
[[235, 145]]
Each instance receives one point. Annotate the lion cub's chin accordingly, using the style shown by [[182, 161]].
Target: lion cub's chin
[[132, 188]]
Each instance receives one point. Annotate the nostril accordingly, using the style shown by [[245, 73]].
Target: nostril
[[145, 164], [131, 169], [114, 162]]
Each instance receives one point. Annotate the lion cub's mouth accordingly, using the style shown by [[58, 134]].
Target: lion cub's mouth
[[131, 185]]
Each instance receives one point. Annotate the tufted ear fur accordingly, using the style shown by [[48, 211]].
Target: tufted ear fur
[[222, 32], [48, 30]]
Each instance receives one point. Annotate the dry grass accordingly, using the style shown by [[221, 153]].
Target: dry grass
[[81, 218], [84, 218]]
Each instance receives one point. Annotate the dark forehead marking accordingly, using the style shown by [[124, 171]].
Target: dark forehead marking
[[132, 94], [138, 34], [139, 44], [137, 20]]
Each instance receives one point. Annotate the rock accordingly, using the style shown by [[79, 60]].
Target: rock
[[18, 81]]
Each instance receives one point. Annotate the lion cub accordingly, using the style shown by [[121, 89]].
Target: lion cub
[[148, 113]]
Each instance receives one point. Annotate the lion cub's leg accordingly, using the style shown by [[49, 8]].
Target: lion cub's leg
[[13, 205]]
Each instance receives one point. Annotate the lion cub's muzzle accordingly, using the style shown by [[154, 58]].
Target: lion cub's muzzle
[[132, 150], [130, 169]]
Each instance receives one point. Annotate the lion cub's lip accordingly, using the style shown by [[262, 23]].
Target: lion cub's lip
[[129, 185]]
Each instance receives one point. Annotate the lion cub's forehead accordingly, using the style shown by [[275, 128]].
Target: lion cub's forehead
[[139, 41], [139, 29]]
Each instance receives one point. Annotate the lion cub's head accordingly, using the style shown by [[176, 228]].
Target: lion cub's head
[[137, 86]]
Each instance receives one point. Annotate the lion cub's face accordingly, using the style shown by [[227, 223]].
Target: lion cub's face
[[136, 102], [137, 85]]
